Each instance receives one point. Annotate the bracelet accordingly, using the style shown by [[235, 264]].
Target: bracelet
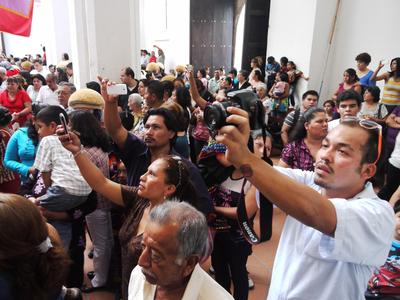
[[79, 152]]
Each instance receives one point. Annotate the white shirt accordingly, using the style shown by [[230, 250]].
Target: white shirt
[[311, 265], [44, 72], [332, 124], [52, 157], [395, 156], [47, 96], [200, 287]]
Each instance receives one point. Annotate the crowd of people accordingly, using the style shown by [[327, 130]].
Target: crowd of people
[[148, 176]]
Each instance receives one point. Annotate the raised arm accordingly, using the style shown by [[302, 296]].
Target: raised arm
[[300, 201], [93, 176], [112, 120], [376, 77], [195, 93]]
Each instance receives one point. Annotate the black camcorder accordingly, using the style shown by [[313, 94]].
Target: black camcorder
[[215, 115]]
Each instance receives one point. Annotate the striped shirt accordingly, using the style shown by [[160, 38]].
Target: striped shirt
[[391, 92]]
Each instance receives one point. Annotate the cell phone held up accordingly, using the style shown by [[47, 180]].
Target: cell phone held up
[[117, 89], [64, 123]]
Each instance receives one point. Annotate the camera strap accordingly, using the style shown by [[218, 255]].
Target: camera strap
[[243, 219]]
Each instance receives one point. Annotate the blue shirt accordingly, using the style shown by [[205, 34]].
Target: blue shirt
[[20, 153], [137, 158], [366, 79]]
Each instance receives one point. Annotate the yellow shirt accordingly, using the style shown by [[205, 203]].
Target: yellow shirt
[[391, 92]]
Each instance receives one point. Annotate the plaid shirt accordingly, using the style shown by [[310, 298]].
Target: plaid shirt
[[297, 156], [100, 159], [52, 157]]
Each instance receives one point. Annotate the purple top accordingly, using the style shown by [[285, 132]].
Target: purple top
[[392, 132], [137, 158], [298, 156]]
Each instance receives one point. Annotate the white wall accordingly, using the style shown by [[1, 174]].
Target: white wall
[[169, 31], [290, 33], [362, 26], [238, 51]]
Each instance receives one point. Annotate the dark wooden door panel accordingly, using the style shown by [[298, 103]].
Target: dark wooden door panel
[[255, 31], [211, 33]]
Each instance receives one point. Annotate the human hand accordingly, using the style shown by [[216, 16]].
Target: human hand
[[236, 136], [104, 82], [31, 170], [381, 64], [70, 141], [14, 116]]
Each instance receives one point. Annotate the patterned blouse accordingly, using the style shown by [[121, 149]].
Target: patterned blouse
[[298, 156]]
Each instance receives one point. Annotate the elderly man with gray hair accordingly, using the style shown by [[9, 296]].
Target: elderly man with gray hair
[[65, 90], [174, 241]]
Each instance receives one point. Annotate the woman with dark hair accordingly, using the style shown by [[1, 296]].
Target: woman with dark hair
[[33, 90], [350, 81], [202, 75], [371, 109], [9, 181], [166, 178], [143, 83], [17, 101], [21, 148], [61, 75], [391, 90], [257, 79], [305, 141], [33, 265], [365, 74], [96, 144], [294, 76]]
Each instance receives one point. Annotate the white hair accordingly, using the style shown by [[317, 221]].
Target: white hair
[[193, 231]]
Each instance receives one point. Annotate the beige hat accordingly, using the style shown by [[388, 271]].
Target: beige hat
[[26, 65], [86, 98], [168, 77], [152, 67], [180, 68]]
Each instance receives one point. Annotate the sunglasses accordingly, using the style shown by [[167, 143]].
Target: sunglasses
[[370, 125]]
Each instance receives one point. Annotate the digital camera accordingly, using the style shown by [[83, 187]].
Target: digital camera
[[215, 115]]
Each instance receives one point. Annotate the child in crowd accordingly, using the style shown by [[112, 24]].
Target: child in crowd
[[66, 187]]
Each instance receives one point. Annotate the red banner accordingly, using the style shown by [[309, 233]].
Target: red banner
[[16, 16]]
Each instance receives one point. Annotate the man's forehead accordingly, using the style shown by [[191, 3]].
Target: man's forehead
[[355, 137], [161, 237], [348, 102], [155, 119]]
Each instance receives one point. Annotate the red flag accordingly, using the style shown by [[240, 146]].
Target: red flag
[[16, 16]]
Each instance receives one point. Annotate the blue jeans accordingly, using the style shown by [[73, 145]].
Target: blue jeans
[[57, 199]]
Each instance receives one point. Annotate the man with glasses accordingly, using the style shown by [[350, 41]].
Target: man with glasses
[[337, 230]]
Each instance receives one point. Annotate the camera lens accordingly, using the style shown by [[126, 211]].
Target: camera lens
[[214, 116]]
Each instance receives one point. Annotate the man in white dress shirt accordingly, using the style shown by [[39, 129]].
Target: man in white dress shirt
[[337, 230], [174, 240], [48, 94]]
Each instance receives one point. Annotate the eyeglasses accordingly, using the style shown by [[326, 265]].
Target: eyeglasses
[[370, 125]]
